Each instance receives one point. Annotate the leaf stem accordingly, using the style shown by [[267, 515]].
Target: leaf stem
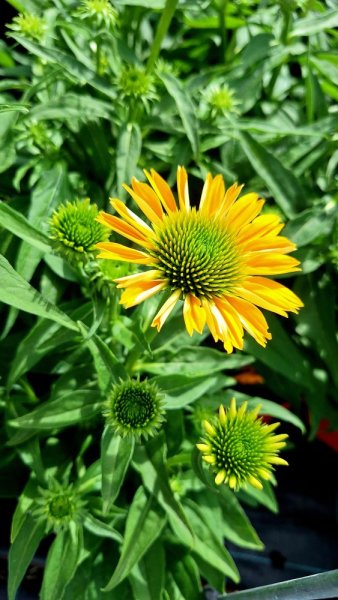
[[162, 28]]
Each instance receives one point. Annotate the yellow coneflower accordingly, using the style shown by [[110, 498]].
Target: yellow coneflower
[[241, 448], [215, 258]]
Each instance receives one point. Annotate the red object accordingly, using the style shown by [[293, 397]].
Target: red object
[[328, 437]]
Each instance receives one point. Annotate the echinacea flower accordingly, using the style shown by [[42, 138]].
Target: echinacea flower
[[134, 408], [241, 448], [215, 259]]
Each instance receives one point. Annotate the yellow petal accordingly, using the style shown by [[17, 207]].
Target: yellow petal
[[232, 408], [146, 200], [125, 229], [221, 414], [209, 428], [137, 278], [136, 294], [115, 251], [162, 190], [257, 484], [131, 217], [233, 482], [252, 319], [182, 189], [165, 310], [204, 447], [211, 460], [193, 314], [220, 477]]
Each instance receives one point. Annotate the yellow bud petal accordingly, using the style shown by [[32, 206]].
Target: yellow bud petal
[[222, 416], [276, 460], [220, 477], [232, 409], [203, 447], [209, 428], [211, 460], [257, 484], [232, 482], [242, 409]]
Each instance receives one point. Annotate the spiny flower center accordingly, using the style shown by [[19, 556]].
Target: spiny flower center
[[239, 448], [197, 255], [60, 506], [134, 407]]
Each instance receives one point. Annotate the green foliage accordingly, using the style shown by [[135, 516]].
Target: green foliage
[[90, 96]]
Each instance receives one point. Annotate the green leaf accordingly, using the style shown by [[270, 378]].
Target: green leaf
[[72, 106], [20, 226], [316, 320], [149, 461], [14, 108], [44, 337], [129, 144], [62, 560], [145, 522], [107, 366], [309, 225], [236, 525], [116, 454], [147, 577], [281, 182], [185, 109], [16, 292], [207, 544], [22, 551], [282, 355], [315, 23], [68, 63], [24, 503], [181, 390], [193, 362], [185, 574], [101, 529], [314, 587], [72, 408]]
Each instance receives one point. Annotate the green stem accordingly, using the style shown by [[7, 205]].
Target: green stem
[[222, 27], [162, 28]]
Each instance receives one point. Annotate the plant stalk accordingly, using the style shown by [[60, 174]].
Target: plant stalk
[[162, 28]]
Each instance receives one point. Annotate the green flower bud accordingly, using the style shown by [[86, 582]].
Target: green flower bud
[[134, 408], [240, 448], [74, 229]]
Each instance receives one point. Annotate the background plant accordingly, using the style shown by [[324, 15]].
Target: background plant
[[90, 95]]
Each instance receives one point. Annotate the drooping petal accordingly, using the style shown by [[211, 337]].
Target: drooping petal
[[165, 310], [193, 314], [115, 251], [252, 319], [141, 291], [128, 280], [232, 320]]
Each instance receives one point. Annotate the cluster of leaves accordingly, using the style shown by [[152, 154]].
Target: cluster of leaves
[[246, 89]]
